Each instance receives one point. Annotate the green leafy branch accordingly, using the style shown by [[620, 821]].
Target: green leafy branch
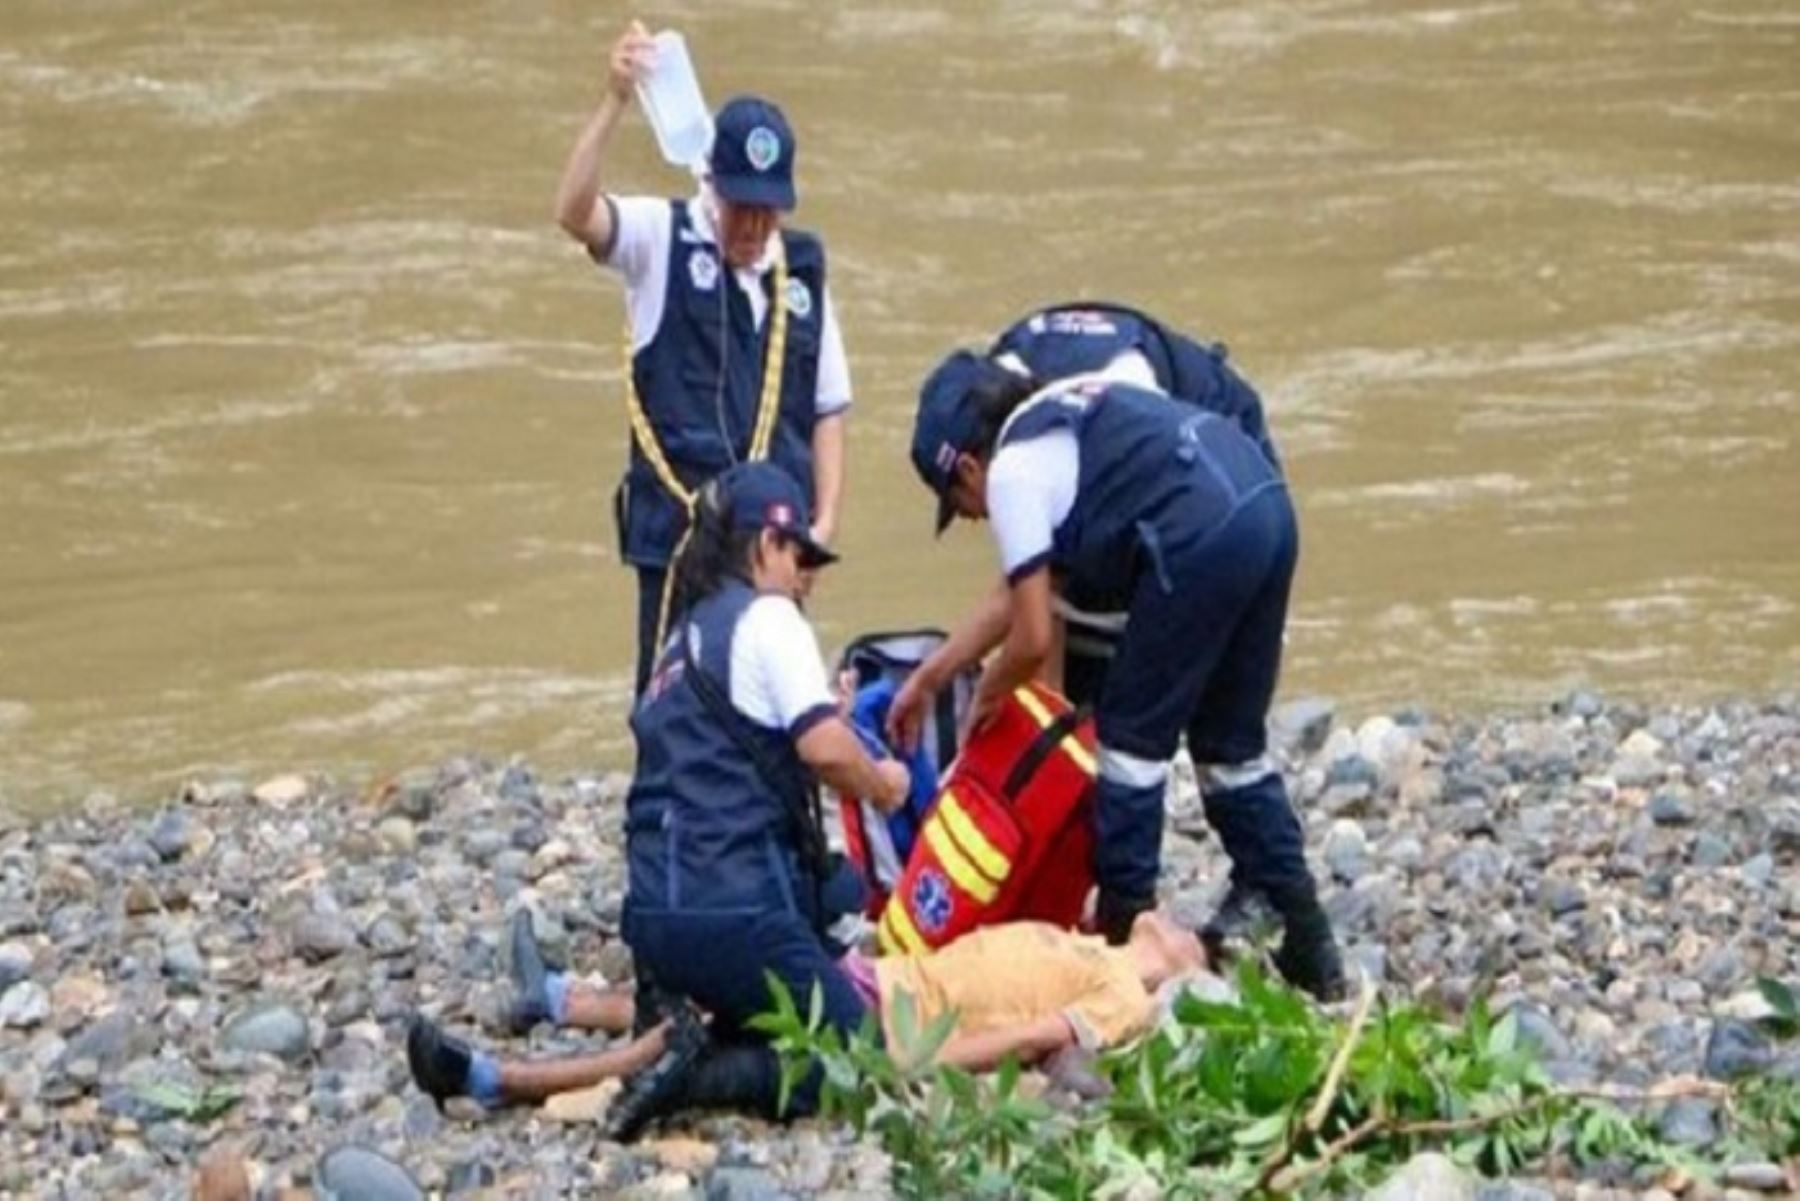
[[1266, 1096]]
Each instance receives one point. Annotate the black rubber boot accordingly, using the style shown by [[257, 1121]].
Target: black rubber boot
[[1263, 836], [660, 1088], [1308, 956], [1114, 913], [439, 1062], [652, 1004], [1243, 916], [746, 1078]]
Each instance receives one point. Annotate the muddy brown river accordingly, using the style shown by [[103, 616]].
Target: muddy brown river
[[309, 415]]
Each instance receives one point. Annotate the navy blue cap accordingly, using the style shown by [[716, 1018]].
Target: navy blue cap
[[752, 159], [761, 496], [948, 421]]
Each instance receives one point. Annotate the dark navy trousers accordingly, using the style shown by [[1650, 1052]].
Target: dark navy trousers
[[1199, 656], [722, 961]]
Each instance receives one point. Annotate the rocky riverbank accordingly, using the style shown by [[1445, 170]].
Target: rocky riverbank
[[234, 970]]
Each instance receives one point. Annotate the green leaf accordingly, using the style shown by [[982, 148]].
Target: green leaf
[[1263, 1131], [1780, 998], [1504, 1039]]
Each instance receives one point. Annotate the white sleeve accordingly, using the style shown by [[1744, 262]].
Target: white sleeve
[[642, 229], [778, 678], [833, 391], [1030, 490]]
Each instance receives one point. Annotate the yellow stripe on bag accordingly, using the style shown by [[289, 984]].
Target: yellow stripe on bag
[[897, 932], [969, 837], [964, 873], [1071, 745]]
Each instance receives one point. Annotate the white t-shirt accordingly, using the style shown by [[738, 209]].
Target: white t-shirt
[[1031, 484], [642, 228], [778, 677]]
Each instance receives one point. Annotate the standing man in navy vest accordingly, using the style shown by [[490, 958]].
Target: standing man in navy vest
[[735, 348], [1111, 489], [1117, 344]]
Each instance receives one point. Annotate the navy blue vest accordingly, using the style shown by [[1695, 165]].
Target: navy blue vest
[[704, 831], [1077, 338], [1157, 481], [700, 381]]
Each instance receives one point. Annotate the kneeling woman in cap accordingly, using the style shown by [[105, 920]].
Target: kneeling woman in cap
[[727, 873], [1115, 491]]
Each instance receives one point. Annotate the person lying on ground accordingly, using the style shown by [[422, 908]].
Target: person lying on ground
[[1021, 990]]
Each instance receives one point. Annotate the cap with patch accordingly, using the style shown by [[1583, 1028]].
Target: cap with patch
[[761, 496], [948, 421], [752, 159]]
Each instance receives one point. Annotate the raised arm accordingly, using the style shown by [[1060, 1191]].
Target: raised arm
[[828, 474], [581, 208]]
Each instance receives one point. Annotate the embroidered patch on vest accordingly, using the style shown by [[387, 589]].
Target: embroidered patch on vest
[[799, 299], [703, 269], [762, 147]]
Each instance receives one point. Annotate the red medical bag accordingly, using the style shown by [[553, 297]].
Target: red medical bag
[[1009, 837]]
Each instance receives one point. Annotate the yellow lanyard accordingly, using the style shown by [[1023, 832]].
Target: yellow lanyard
[[767, 409]]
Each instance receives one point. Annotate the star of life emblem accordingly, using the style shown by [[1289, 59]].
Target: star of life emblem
[[932, 902]]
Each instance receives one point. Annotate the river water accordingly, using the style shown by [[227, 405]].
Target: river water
[[309, 416]]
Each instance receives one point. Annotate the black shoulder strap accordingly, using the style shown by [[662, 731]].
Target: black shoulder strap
[[1047, 740]]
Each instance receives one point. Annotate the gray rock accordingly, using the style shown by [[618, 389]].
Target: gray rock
[[387, 937], [1346, 851], [321, 936], [182, 962], [744, 1184], [1477, 868], [1347, 800], [1688, 1122], [1671, 808], [108, 1042], [1513, 1190], [1539, 1033], [15, 965], [518, 784], [1426, 1177], [353, 1173], [1352, 769], [1638, 771], [470, 1176], [1583, 704], [1303, 725], [1757, 1177], [481, 845], [1759, 870], [171, 834], [1735, 1048], [1722, 969], [24, 1005], [1673, 1047], [1563, 897], [271, 1028], [17, 919], [1711, 850]]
